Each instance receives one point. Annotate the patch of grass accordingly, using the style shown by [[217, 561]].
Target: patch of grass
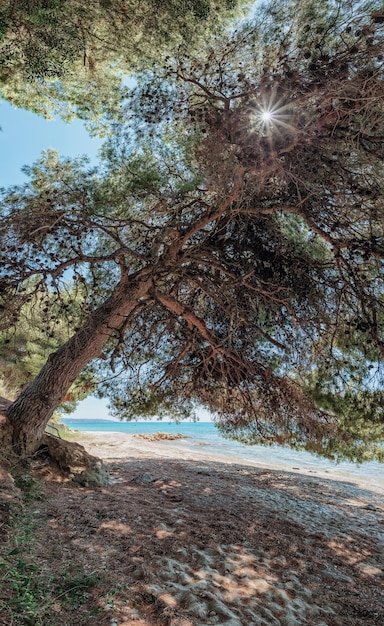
[[30, 487], [51, 584], [74, 435], [113, 594], [73, 589], [21, 592], [57, 428], [29, 588]]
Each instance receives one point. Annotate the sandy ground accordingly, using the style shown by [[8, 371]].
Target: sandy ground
[[198, 541]]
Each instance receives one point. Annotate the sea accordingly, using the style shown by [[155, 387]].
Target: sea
[[205, 437]]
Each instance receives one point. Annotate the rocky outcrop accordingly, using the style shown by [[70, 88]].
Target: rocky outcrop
[[75, 462], [161, 436]]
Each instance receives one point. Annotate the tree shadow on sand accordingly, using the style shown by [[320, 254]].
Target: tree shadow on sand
[[191, 543]]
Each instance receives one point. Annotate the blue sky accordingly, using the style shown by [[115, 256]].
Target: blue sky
[[25, 135]]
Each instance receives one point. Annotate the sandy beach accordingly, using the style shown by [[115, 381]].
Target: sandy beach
[[200, 541], [203, 541]]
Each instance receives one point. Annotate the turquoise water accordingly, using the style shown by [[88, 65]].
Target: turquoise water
[[205, 437]]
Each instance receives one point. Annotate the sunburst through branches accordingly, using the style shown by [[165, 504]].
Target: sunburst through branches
[[273, 115]]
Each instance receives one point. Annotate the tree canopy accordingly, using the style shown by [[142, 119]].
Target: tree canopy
[[70, 57], [230, 250]]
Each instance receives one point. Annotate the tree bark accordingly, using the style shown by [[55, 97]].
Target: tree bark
[[30, 412]]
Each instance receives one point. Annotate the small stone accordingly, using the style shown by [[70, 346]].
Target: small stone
[[93, 476], [144, 477]]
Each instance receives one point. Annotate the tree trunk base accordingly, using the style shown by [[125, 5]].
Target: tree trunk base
[[74, 461], [69, 457]]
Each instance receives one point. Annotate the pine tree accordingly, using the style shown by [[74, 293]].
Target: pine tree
[[69, 58], [234, 258]]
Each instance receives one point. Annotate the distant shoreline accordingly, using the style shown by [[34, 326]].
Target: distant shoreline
[[205, 437], [126, 446]]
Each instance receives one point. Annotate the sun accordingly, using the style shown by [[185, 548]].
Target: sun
[[272, 114], [266, 115]]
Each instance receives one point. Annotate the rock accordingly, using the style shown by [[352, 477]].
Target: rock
[[95, 475], [75, 462], [161, 436], [144, 477]]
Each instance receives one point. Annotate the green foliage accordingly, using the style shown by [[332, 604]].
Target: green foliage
[[30, 488], [355, 394], [38, 329], [315, 232], [69, 57], [147, 403]]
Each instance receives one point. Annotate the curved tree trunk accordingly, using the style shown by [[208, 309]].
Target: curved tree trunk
[[30, 412]]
